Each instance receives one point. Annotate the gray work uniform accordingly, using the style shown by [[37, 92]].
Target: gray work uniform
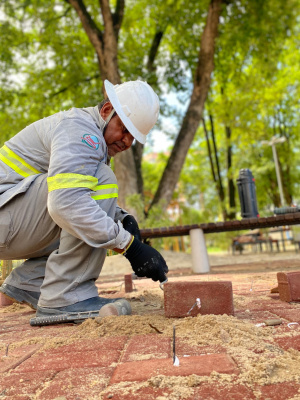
[[58, 206]]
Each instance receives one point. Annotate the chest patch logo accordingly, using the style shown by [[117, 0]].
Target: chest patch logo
[[91, 141]]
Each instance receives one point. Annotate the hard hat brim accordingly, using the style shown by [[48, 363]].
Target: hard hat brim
[[113, 98]]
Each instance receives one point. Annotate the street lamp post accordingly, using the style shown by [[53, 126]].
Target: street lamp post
[[272, 143]]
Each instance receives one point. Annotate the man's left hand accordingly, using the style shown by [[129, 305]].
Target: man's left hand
[[130, 224]]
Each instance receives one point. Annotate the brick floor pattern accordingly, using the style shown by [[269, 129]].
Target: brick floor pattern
[[89, 369]]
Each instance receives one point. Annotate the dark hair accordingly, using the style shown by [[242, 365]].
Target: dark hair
[[100, 105]]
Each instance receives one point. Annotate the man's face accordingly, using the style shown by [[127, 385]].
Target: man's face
[[116, 135]]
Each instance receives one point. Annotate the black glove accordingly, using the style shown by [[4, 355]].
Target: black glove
[[146, 261], [130, 224]]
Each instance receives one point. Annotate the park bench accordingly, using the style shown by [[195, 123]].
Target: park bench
[[255, 240]]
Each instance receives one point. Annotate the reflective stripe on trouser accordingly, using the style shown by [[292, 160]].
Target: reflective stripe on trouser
[[17, 163], [72, 266]]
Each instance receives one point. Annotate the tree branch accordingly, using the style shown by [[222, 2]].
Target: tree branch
[[93, 32], [107, 16], [62, 90], [118, 17], [49, 21], [110, 44], [154, 50]]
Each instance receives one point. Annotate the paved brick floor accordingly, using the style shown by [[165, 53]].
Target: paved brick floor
[[132, 366]]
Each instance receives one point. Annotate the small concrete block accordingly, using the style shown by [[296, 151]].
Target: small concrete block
[[5, 301], [215, 297], [128, 283], [199, 365], [289, 286]]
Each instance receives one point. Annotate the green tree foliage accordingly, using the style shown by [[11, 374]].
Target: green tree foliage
[[47, 64], [52, 63], [255, 92]]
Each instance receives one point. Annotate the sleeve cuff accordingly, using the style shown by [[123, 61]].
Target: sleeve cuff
[[121, 240]]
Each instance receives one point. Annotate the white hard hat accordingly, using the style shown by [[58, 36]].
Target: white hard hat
[[136, 104]]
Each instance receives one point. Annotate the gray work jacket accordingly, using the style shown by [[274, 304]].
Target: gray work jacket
[[69, 142]]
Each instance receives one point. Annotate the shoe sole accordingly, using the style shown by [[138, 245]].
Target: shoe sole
[[14, 298], [48, 316], [72, 317]]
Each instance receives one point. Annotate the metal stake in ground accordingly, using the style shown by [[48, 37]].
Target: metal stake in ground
[[198, 304], [175, 358], [174, 345]]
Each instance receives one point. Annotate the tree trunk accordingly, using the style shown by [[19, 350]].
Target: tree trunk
[[105, 44], [212, 167], [231, 187], [138, 148], [216, 177], [194, 112], [219, 176]]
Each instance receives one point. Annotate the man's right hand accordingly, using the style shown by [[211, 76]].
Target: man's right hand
[[146, 261]]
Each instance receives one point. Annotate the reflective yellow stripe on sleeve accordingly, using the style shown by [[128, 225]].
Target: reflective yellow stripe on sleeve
[[67, 181], [17, 163], [105, 191]]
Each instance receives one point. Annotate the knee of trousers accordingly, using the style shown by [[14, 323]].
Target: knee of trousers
[[106, 194]]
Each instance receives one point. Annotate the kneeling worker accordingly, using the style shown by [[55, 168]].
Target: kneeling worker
[[58, 204]]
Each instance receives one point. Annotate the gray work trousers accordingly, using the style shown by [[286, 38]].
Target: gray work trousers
[[60, 266]]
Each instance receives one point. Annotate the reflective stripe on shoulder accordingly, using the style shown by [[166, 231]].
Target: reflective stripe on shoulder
[[66, 181], [17, 163], [108, 191]]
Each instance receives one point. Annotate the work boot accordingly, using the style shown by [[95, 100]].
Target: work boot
[[120, 307], [20, 295], [80, 311]]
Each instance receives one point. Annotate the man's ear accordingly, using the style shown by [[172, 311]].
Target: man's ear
[[106, 110]]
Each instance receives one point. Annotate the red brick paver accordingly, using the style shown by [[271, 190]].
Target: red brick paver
[[77, 384], [280, 391], [289, 286], [289, 343], [215, 297], [144, 393], [59, 361], [23, 384], [95, 368], [292, 315], [199, 365], [147, 347], [223, 392], [104, 344], [10, 359], [184, 349]]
